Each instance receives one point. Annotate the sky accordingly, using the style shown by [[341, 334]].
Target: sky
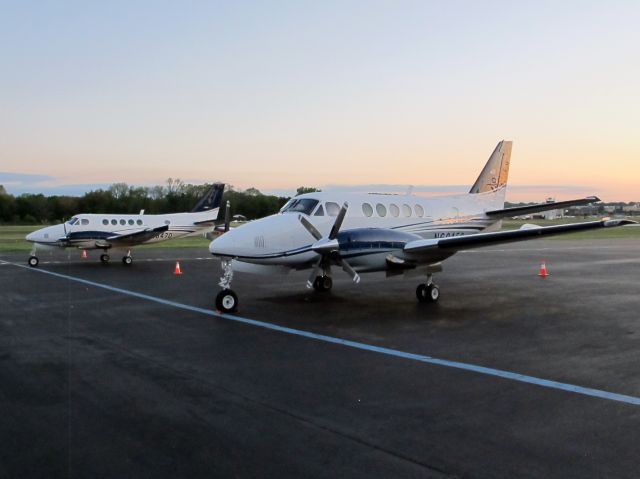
[[355, 94]]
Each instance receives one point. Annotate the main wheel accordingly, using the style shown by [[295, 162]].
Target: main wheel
[[323, 283], [33, 261], [227, 301], [104, 258], [127, 260], [427, 293]]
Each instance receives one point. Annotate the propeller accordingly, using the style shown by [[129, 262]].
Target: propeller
[[227, 216], [328, 247]]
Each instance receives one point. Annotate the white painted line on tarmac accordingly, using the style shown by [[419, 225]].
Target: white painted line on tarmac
[[584, 391], [547, 248], [96, 260]]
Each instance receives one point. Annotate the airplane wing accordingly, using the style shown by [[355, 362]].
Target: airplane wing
[[458, 243], [136, 236], [526, 210]]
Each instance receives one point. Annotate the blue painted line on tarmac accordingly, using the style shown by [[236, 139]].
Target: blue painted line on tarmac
[[598, 393]]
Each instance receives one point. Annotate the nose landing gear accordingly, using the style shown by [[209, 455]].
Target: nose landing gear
[[227, 299], [33, 259]]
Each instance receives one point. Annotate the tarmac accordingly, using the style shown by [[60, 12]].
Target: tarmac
[[115, 371]]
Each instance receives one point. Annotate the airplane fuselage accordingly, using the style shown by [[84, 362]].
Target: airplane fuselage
[[281, 240]]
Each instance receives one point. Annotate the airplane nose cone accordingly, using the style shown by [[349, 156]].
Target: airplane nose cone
[[223, 245], [30, 237]]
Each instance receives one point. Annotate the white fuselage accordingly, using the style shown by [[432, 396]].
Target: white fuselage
[[281, 239]]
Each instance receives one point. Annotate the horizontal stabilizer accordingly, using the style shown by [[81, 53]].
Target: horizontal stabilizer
[[479, 240], [527, 210]]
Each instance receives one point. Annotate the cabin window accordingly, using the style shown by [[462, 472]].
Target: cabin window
[[332, 208], [123, 222], [105, 222], [381, 210], [139, 222], [319, 211], [167, 222], [406, 210], [419, 211], [84, 221], [367, 209], [114, 222], [301, 205], [395, 211], [131, 222]]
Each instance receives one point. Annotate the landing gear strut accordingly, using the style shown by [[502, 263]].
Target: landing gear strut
[[429, 292], [227, 299]]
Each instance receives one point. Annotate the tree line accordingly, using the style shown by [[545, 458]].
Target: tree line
[[172, 197]]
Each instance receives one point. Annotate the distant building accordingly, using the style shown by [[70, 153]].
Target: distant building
[[552, 214]]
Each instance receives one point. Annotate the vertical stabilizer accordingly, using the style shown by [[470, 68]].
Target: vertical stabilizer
[[496, 172], [211, 199]]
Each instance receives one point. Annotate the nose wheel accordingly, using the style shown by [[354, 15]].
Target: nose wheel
[[104, 258], [33, 261], [227, 301]]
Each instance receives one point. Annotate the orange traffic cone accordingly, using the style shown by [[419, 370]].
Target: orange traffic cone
[[543, 270], [177, 270], [84, 254]]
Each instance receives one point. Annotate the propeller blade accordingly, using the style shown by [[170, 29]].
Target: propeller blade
[[339, 219], [310, 228], [314, 273], [227, 216], [350, 271]]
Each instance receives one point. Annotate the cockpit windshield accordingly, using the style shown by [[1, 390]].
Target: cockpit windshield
[[302, 205], [73, 221]]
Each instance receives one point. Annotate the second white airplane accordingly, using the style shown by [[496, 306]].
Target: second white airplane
[[120, 232], [398, 234]]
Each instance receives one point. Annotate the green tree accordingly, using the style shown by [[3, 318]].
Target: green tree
[[306, 189]]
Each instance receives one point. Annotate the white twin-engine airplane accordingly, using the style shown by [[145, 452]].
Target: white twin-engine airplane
[[398, 234], [122, 232]]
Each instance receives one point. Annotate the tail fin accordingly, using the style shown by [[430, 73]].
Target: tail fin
[[496, 172], [211, 199]]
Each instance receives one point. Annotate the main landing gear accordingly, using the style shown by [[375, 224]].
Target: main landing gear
[[227, 299], [127, 259], [429, 292], [323, 283]]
